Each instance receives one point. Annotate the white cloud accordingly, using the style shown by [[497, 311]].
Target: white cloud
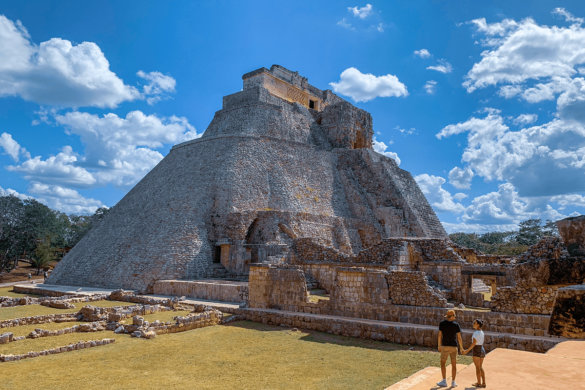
[[361, 12], [437, 196], [461, 178], [118, 150], [382, 148], [364, 87], [567, 16], [443, 67], [524, 51], [430, 87], [541, 160], [62, 169], [525, 119], [12, 148], [345, 24], [506, 206], [158, 87], [11, 192], [64, 199], [422, 53], [56, 71]]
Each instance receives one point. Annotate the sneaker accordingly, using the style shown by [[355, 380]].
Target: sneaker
[[442, 383], [453, 384]]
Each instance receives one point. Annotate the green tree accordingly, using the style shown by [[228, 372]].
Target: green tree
[[43, 254], [529, 232]]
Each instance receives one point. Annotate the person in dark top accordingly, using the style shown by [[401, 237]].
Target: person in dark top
[[449, 341]]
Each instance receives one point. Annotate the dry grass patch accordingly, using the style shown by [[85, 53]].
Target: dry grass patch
[[7, 292]]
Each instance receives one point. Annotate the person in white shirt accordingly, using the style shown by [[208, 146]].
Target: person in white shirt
[[478, 352]]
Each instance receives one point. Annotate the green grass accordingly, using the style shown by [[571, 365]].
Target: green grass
[[7, 292], [242, 355]]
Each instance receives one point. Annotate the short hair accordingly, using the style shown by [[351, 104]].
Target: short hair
[[479, 322]]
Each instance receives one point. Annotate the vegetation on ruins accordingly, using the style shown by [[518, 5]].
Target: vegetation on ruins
[[509, 243], [33, 232]]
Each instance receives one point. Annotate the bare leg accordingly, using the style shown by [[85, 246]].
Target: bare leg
[[453, 366], [444, 368], [481, 369], [477, 363]]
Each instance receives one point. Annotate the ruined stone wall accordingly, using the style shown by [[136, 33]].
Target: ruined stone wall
[[277, 288], [397, 333], [412, 288], [568, 316], [529, 300], [359, 286]]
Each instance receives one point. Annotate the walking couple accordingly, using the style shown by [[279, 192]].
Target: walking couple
[[450, 338]]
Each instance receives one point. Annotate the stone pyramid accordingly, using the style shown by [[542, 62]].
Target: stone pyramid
[[281, 160]]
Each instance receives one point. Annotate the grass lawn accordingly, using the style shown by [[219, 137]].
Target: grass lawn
[[7, 292], [242, 355]]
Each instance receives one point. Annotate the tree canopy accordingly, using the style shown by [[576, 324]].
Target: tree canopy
[[507, 243], [32, 231]]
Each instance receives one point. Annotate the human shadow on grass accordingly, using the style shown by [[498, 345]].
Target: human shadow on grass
[[327, 338]]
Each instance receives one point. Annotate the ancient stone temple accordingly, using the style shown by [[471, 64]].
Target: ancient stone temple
[[281, 161]]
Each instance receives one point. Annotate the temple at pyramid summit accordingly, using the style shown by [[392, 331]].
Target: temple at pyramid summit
[[282, 160]]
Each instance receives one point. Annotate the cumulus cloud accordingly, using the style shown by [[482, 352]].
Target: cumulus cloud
[[159, 86], [524, 51], [506, 206], [382, 148], [525, 119], [12, 148], [365, 87], [121, 149], [61, 168], [461, 177], [361, 12], [437, 196], [11, 192], [430, 87], [58, 72], [443, 67], [541, 160], [422, 53], [118, 150], [64, 199]]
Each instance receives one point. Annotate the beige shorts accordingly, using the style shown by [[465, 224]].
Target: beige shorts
[[448, 351]]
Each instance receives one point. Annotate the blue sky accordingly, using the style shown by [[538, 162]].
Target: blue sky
[[483, 102]]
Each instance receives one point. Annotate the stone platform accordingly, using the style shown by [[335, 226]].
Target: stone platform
[[559, 368], [210, 289]]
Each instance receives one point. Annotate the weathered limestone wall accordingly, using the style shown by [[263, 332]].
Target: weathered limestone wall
[[529, 300], [359, 286], [402, 334], [412, 288], [215, 290], [277, 288], [572, 231], [568, 316]]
